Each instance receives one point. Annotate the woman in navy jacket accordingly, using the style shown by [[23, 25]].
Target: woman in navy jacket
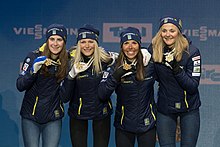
[[132, 80], [80, 90], [40, 78], [178, 68]]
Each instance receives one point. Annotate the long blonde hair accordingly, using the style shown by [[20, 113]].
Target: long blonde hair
[[181, 44], [100, 55]]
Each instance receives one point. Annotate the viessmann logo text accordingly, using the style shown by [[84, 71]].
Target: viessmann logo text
[[38, 31], [210, 74], [111, 31]]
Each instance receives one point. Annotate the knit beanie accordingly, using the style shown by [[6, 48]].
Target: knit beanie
[[57, 29], [130, 33], [175, 21], [88, 32]]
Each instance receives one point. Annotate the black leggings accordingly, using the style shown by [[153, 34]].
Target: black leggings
[[79, 132], [127, 139]]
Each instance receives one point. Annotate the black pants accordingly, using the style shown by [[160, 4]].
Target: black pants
[[127, 139], [79, 132]]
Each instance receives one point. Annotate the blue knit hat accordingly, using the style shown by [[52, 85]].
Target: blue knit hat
[[176, 21], [88, 32], [130, 33], [57, 29]]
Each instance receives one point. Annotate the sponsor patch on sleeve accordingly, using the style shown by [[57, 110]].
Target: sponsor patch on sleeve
[[105, 74], [196, 69], [25, 67], [196, 58], [196, 62], [195, 74]]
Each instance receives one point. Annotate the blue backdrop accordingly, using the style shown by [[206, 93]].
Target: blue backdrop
[[22, 29]]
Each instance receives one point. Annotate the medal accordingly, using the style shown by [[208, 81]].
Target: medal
[[51, 62], [79, 66], [126, 66], [169, 56]]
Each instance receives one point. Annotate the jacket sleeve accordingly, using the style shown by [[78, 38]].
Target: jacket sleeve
[[68, 84], [67, 89], [190, 77], [107, 85], [25, 79]]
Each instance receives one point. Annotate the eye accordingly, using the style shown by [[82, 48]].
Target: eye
[[164, 30], [126, 42], [51, 39], [91, 41], [82, 41], [60, 39], [172, 30], [134, 42]]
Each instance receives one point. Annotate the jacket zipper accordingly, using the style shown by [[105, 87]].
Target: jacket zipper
[[35, 105], [152, 112], [123, 113], [110, 105], [61, 107], [187, 105], [80, 105]]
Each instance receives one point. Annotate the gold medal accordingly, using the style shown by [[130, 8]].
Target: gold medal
[[51, 62], [48, 62], [79, 66], [169, 58], [126, 66]]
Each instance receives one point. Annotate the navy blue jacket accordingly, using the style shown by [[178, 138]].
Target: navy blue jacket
[[82, 95], [135, 108], [179, 92], [41, 102]]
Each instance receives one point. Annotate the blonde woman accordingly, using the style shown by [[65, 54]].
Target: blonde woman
[[178, 67], [89, 64]]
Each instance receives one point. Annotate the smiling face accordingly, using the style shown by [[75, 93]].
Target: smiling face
[[55, 44], [130, 49], [169, 34], [87, 46]]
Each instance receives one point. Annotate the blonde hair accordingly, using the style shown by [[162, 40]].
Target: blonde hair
[[181, 44], [99, 55]]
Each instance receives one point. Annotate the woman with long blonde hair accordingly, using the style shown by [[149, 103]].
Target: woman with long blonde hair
[[89, 64], [178, 68]]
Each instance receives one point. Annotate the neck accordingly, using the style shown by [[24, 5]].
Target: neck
[[54, 57]]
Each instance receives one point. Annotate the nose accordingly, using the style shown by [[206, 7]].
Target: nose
[[130, 45], [87, 44], [55, 42], [167, 33]]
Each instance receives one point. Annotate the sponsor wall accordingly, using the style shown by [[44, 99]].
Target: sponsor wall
[[22, 29]]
